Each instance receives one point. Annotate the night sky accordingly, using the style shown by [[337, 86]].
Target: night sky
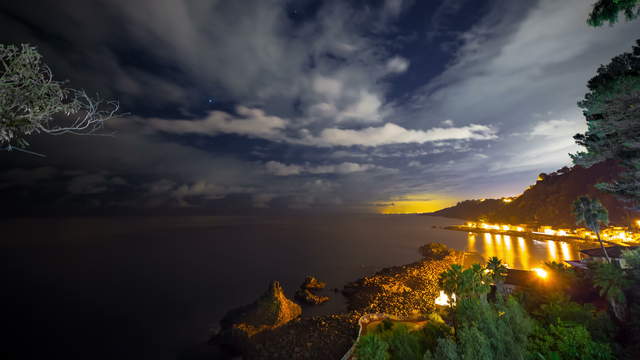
[[243, 107]]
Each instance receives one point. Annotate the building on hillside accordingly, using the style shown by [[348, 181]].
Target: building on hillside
[[597, 255], [517, 279]]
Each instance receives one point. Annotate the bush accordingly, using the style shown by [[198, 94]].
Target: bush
[[371, 347], [406, 345], [445, 350], [598, 323], [433, 332], [568, 342], [501, 329]]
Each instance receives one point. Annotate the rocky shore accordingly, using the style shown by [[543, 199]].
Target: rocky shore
[[399, 290]]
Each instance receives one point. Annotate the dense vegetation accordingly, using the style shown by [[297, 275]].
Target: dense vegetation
[[608, 11], [612, 109], [550, 200], [552, 318]]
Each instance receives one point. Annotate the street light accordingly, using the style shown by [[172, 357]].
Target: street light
[[541, 273]]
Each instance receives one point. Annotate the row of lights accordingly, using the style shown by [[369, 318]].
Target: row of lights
[[613, 233]]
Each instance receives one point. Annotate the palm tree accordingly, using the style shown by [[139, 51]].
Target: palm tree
[[611, 282], [497, 272], [591, 213], [475, 282], [450, 281]]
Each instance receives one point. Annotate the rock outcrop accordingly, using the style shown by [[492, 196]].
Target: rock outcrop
[[308, 297], [273, 309], [311, 283]]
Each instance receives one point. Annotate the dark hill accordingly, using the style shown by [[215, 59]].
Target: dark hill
[[549, 201]]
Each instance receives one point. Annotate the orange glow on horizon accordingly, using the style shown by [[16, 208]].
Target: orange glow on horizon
[[416, 204]]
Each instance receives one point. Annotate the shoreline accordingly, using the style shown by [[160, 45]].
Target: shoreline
[[529, 235], [403, 290]]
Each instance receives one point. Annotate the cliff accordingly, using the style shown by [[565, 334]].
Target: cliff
[[549, 201]]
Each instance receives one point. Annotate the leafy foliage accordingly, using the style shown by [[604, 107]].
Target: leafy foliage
[[497, 272], [592, 213], [612, 109], [567, 342], [611, 283], [467, 283], [30, 100], [607, 11], [405, 344], [371, 347], [500, 329], [598, 323]]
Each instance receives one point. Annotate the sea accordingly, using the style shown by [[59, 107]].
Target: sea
[[155, 287]]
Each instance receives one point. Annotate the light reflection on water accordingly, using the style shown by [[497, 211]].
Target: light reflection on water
[[520, 253]]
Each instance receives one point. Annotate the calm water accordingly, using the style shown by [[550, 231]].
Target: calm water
[[149, 288]]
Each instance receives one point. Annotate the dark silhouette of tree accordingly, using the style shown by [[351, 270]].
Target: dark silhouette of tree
[[591, 213], [611, 282], [608, 11], [497, 272], [612, 110], [30, 100]]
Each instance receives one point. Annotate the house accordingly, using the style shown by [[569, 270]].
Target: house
[[597, 255], [517, 279]]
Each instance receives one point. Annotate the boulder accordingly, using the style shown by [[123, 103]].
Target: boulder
[[271, 310], [310, 298], [311, 283]]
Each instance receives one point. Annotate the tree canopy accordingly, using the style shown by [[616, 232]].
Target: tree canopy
[[31, 100], [607, 11], [612, 109]]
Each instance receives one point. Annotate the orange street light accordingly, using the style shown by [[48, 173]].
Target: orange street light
[[541, 273]]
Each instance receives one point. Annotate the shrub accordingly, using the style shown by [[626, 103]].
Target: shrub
[[433, 332], [568, 342], [598, 323], [371, 347], [405, 344]]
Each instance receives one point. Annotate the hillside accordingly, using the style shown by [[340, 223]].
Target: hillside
[[548, 201]]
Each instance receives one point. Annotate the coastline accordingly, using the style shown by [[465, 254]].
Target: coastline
[[402, 290]]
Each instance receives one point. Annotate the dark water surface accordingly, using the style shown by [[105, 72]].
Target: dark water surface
[[151, 287]]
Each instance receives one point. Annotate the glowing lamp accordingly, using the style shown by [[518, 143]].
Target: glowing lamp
[[541, 273], [443, 299]]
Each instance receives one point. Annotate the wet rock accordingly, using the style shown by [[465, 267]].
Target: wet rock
[[311, 283], [273, 309], [310, 298]]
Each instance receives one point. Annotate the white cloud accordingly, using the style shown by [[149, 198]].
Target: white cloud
[[366, 108], [397, 65], [250, 122], [343, 168], [280, 169], [394, 134], [331, 88], [559, 128]]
